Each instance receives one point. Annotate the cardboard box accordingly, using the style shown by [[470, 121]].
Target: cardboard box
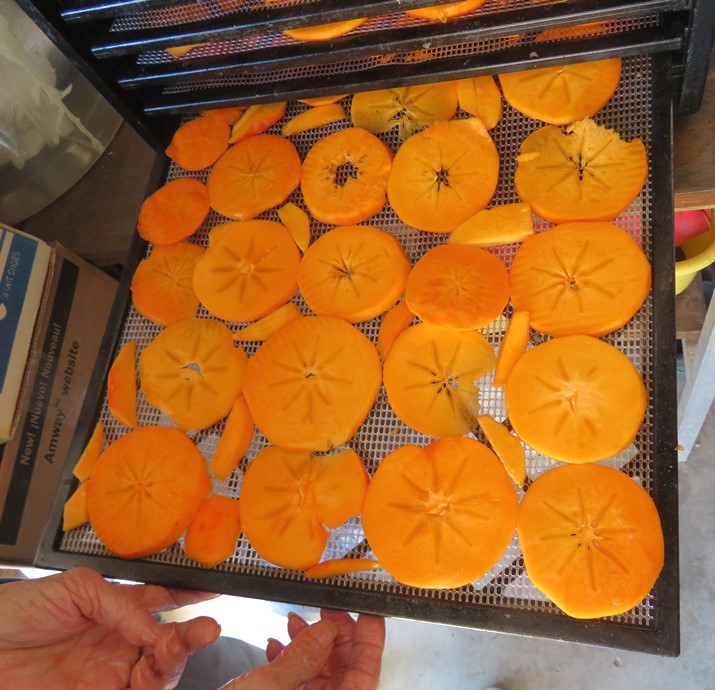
[[75, 310]]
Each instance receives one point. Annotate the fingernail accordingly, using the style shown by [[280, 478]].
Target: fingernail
[[293, 614], [272, 640], [324, 632], [175, 645]]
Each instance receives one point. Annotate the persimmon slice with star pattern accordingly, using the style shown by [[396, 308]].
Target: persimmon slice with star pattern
[[591, 538], [312, 383], [579, 279], [431, 378], [440, 516], [576, 399]]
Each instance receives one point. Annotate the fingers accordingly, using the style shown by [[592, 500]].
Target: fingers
[[295, 624], [273, 649], [363, 672], [143, 677], [157, 599]]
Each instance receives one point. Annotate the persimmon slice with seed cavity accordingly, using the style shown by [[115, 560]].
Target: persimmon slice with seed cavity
[[591, 538], [249, 270], [444, 175], [355, 272], [440, 516], [430, 378], [562, 93], [344, 177], [192, 372], [458, 286], [585, 172], [575, 399], [254, 175], [145, 490], [442, 13]]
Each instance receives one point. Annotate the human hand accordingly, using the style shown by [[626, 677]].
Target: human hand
[[77, 631], [337, 653]]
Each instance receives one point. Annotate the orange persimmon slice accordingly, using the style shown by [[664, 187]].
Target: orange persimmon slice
[[162, 284], [561, 94], [575, 399], [324, 32], [430, 378], [442, 13], [311, 384], [507, 447], [228, 115], [479, 96], [75, 511], [345, 177], [83, 469], [394, 322], [235, 440], [174, 211], [492, 227], [253, 176], [199, 143], [580, 278], [440, 516], [355, 272], [340, 566], [322, 100], [297, 222], [265, 327], [458, 286], [192, 372], [313, 118], [582, 172], [256, 119], [145, 490], [444, 175], [409, 108], [214, 530], [513, 346], [122, 385], [591, 538], [248, 271], [285, 508]]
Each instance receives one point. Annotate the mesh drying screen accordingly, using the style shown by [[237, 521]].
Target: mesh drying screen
[[506, 585]]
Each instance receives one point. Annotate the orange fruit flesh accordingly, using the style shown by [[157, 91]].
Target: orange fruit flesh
[[235, 440], [83, 469], [499, 225], [324, 32], [591, 539], [480, 96], [507, 447], [442, 13], [214, 530], [513, 346], [266, 326], [393, 324], [198, 143], [75, 511], [122, 386]]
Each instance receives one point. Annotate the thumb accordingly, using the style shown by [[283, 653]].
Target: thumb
[[300, 662]]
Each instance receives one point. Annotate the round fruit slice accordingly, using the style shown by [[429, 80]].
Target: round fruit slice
[[444, 175], [580, 278], [575, 399], [199, 143], [440, 516], [430, 378], [591, 538], [324, 32], [458, 286], [162, 284], [345, 177], [355, 272], [192, 372], [441, 13], [311, 384], [249, 270], [145, 489], [585, 172], [254, 175], [562, 93], [409, 108]]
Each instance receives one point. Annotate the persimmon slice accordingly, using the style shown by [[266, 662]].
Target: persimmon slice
[[430, 378], [440, 516], [145, 490], [409, 108], [235, 440], [122, 385], [580, 278], [192, 372], [562, 93], [214, 530], [355, 272], [585, 172], [256, 119], [288, 498], [324, 32], [444, 175], [513, 346], [311, 384], [248, 271], [265, 327], [253, 176], [174, 211], [458, 286], [495, 226], [480, 96], [162, 284], [507, 447], [198, 143], [442, 13], [83, 469], [317, 116], [575, 399], [345, 177], [297, 223], [75, 511], [591, 538], [393, 324]]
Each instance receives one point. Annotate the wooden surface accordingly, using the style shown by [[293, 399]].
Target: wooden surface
[[690, 311]]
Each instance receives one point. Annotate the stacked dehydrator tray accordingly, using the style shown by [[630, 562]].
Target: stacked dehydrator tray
[[665, 46]]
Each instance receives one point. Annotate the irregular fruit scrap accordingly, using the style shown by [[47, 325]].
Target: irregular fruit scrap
[[315, 117], [83, 469], [311, 384], [122, 385], [75, 511], [145, 490], [214, 530], [265, 327], [256, 119], [354, 272], [575, 399], [235, 440], [192, 372], [430, 378], [440, 516], [393, 323], [324, 32], [513, 346], [480, 97], [198, 143], [297, 223], [507, 447], [442, 13], [499, 225], [591, 538], [288, 499]]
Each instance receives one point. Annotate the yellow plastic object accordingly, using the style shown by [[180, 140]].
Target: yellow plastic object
[[700, 252]]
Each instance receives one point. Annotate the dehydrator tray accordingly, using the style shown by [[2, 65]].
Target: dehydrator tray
[[504, 599]]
